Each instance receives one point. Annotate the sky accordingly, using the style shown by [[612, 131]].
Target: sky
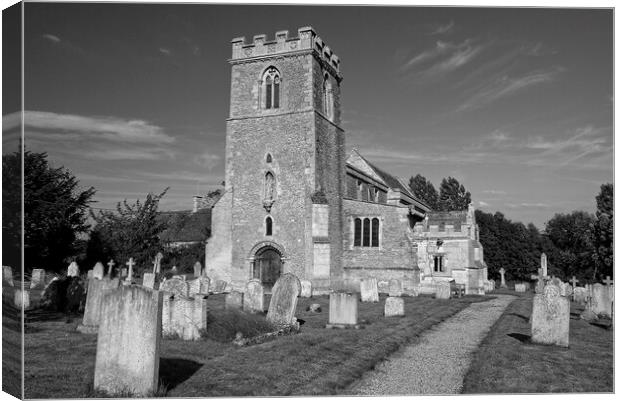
[[517, 104]]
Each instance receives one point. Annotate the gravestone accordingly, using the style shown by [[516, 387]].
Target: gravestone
[[38, 279], [73, 270], [76, 294], [395, 288], [199, 285], [98, 271], [383, 286], [175, 286], [233, 300], [184, 317], [7, 275], [306, 288], [550, 317], [369, 289], [284, 300], [219, 286], [94, 303], [502, 272], [443, 290], [123, 272], [566, 290], [580, 295], [130, 264], [254, 297], [148, 280], [343, 310], [601, 300], [111, 265], [157, 263], [520, 287], [394, 306], [197, 269], [21, 299], [574, 282], [543, 264], [128, 341], [90, 274]]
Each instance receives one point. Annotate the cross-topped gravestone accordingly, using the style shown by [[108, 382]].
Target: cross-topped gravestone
[[111, 264], [543, 264], [608, 281], [502, 271], [130, 263], [574, 282], [157, 263], [540, 281]]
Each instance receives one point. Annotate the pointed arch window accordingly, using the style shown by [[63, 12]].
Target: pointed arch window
[[270, 186], [268, 158], [268, 226], [328, 102], [271, 80]]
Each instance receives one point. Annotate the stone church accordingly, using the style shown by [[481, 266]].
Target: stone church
[[294, 202]]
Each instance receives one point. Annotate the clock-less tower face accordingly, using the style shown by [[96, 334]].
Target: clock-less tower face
[[285, 158]]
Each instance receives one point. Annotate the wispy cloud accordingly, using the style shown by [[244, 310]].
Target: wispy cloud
[[507, 86], [442, 29], [165, 51], [208, 160], [482, 203], [494, 192], [443, 58], [51, 38]]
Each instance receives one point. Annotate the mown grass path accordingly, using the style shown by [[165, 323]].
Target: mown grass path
[[439, 361]]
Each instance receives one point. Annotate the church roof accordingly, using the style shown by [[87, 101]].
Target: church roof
[[435, 218], [185, 226]]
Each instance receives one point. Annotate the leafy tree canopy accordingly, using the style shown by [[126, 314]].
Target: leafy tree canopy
[[603, 235], [452, 195], [424, 190]]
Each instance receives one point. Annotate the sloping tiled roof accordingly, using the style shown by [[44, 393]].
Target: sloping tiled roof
[[185, 226], [455, 217]]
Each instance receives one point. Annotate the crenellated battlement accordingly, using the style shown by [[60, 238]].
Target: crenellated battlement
[[307, 39]]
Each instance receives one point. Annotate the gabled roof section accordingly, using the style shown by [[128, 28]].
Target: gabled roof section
[[356, 161]]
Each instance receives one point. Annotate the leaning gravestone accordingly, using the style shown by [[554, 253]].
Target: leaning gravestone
[[550, 317], [369, 290], [233, 300], [254, 297], [443, 290], [199, 285], [601, 300], [284, 300], [148, 280], [94, 303], [342, 310], [394, 306], [98, 271], [38, 279], [7, 275], [73, 270], [219, 286], [395, 288], [306, 288], [175, 286], [128, 341], [197, 269]]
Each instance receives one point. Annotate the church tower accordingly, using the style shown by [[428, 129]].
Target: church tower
[[282, 207]]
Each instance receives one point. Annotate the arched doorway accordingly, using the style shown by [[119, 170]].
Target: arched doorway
[[267, 266]]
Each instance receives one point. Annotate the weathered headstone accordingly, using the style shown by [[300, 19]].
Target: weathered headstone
[[394, 306], [128, 341], [369, 290], [550, 317], [284, 300], [197, 269], [443, 290], [306, 288], [574, 282], [21, 299], [148, 280], [199, 285], [98, 271], [123, 272], [94, 303], [184, 317], [219, 286], [520, 287], [566, 290], [73, 270], [38, 279], [502, 272], [7, 275], [395, 288], [76, 294], [543, 264], [342, 310], [157, 263], [110, 272], [254, 297], [580, 295], [601, 300], [175, 286], [234, 300], [89, 274], [130, 263]]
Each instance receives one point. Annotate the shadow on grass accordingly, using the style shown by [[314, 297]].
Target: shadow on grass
[[520, 316], [524, 338], [174, 371]]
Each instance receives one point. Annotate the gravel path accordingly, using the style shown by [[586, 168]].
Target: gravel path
[[438, 363]]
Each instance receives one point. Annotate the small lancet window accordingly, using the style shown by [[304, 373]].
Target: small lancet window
[[271, 81], [270, 186], [328, 102], [268, 226], [268, 158]]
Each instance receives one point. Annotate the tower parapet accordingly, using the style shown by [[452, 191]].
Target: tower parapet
[[307, 40]]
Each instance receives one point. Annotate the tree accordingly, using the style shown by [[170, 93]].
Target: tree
[[55, 209], [604, 233], [452, 195], [424, 190], [132, 231]]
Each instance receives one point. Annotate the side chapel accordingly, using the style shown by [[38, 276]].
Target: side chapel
[[294, 202]]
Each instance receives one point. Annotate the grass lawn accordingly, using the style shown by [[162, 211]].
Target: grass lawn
[[507, 362], [59, 362], [11, 351]]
